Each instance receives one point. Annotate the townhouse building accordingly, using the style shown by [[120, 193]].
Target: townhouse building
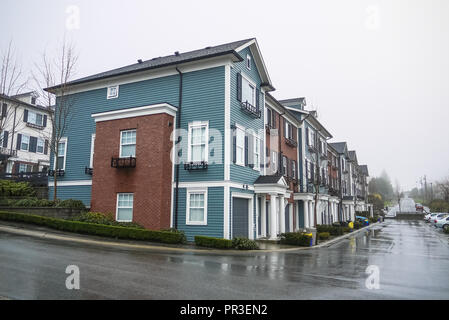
[[196, 141], [25, 134]]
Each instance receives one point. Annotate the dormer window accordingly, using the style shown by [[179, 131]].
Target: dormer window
[[248, 62], [113, 92]]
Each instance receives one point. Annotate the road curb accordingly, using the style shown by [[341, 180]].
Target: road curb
[[345, 236], [124, 245]]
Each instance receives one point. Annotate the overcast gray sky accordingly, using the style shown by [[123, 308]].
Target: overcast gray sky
[[376, 71]]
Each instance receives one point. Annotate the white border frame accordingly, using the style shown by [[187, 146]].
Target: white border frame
[[55, 160], [250, 198], [108, 95], [135, 151], [190, 191], [197, 124], [116, 207]]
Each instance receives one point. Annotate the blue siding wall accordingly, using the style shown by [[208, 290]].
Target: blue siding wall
[[82, 193], [241, 174], [203, 99], [214, 227]]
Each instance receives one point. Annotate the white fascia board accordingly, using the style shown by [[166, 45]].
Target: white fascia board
[[70, 183], [270, 188], [303, 196], [149, 74], [135, 112], [258, 59]]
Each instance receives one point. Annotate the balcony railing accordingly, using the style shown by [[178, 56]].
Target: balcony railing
[[59, 173], [290, 142], [34, 126], [199, 165], [34, 178], [250, 109], [118, 163], [88, 170], [311, 148], [8, 152]]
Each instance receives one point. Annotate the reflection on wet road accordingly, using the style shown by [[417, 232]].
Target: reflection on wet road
[[412, 257]]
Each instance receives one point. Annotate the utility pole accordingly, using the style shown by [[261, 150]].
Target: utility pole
[[425, 188]]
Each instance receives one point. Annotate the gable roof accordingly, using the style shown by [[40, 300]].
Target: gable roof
[[28, 105], [364, 169], [273, 179], [340, 147], [352, 155], [231, 48], [294, 102]]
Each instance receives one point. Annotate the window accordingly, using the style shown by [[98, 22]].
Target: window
[[248, 92], [274, 161], [127, 143], [240, 147], [125, 207], [35, 118], [112, 92], [311, 138], [62, 151], [284, 166], [293, 169], [40, 145], [197, 207], [248, 62], [288, 133], [23, 167], [256, 153], [198, 142], [25, 143], [33, 100]]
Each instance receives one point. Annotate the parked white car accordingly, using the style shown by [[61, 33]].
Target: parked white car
[[443, 223], [430, 216], [439, 216]]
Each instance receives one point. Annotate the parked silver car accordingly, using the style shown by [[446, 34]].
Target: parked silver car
[[443, 223], [439, 216]]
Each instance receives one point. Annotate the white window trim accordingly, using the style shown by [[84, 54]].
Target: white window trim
[[198, 124], [37, 146], [35, 114], [253, 84], [109, 96], [64, 139], [196, 191], [243, 131], [116, 207], [248, 62], [256, 142], [128, 144], [92, 147], [21, 141]]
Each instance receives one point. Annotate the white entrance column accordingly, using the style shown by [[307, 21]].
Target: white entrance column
[[290, 217], [272, 223], [263, 216], [297, 216], [306, 213], [312, 214], [281, 214]]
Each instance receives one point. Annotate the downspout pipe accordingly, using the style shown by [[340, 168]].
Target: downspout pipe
[[178, 126]]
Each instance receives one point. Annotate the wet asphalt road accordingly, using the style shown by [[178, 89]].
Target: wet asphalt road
[[413, 260]]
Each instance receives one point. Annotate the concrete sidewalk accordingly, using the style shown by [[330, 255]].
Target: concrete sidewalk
[[47, 233]]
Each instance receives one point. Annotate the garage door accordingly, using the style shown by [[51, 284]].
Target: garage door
[[240, 217]]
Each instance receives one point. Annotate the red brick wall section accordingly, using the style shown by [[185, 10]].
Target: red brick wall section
[[150, 180]]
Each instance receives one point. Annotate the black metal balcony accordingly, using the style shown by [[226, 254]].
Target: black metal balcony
[[119, 163], [250, 109], [290, 142], [8, 152], [88, 170], [35, 126], [58, 173], [199, 165]]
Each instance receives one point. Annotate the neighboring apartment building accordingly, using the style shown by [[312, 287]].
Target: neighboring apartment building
[[25, 134], [239, 155]]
